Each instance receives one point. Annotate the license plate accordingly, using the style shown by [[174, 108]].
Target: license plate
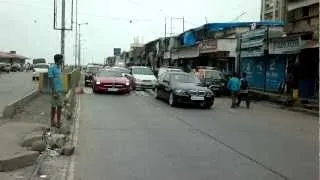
[[197, 98], [113, 89]]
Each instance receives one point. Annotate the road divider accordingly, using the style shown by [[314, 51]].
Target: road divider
[[11, 109]]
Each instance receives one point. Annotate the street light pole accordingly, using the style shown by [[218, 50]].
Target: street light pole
[[63, 24], [76, 36], [79, 43]]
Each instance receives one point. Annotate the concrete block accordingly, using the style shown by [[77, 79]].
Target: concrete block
[[17, 161], [30, 138], [10, 110], [68, 149], [39, 146]]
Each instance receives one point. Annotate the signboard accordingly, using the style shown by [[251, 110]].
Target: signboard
[[186, 52], [256, 52], [208, 46], [287, 45], [116, 51], [255, 68], [275, 73]]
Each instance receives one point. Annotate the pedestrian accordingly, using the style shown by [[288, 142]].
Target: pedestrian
[[54, 75], [244, 90], [234, 87]]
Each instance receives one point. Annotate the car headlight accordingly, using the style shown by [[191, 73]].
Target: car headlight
[[98, 82], [127, 83], [180, 92], [138, 80], [209, 94]]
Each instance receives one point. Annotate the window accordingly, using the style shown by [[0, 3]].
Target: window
[[305, 11]]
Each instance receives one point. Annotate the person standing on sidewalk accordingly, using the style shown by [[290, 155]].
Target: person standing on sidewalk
[[234, 87], [54, 75], [244, 90]]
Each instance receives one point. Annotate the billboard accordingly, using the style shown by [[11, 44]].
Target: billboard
[[116, 51]]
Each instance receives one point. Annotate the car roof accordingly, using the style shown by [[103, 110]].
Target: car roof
[[140, 67], [170, 73]]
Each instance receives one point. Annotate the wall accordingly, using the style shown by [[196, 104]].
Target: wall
[[228, 45], [299, 23]]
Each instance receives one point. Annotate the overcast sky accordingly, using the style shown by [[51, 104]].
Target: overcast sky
[[27, 26]]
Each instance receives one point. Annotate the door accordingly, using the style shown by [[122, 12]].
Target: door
[[163, 82], [166, 86]]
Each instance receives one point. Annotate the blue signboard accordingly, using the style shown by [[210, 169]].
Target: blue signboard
[[255, 69], [275, 72]]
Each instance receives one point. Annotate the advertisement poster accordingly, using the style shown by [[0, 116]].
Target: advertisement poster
[[255, 69], [275, 74]]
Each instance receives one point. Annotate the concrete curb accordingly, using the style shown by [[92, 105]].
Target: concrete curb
[[18, 161], [11, 109]]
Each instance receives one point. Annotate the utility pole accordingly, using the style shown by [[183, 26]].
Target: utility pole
[[63, 25], [76, 36], [183, 24], [171, 26], [79, 46]]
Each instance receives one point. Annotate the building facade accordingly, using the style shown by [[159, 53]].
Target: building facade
[[273, 10]]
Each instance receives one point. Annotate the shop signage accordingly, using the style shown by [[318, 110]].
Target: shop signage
[[185, 52], [208, 46], [287, 45]]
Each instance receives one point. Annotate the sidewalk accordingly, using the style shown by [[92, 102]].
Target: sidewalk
[[31, 120], [286, 101], [13, 86]]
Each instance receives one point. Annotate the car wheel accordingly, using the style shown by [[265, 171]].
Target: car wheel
[[156, 95], [171, 100], [33, 78], [207, 106], [94, 90]]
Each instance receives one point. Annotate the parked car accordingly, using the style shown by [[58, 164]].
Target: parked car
[[168, 69], [16, 67], [5, 67], [183, 88], [110, 81], [143, 77], [39, 68], [213, 79], [91, 70]]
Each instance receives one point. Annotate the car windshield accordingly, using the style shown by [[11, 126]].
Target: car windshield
[[92, 69], [185, 78], [123, 70], [143, 71], [213, 75], [110, 74], [41, 66]]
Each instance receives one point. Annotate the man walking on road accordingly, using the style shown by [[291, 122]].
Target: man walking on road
[[54, 74], [244, 93], [234, 87]]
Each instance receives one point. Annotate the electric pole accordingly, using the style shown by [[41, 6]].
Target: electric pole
[[63, 25], [76, 36]]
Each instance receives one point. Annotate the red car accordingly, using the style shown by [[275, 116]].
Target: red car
[[111, 81]]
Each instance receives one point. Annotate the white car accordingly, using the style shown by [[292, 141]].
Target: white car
[[39, 68], [143, 77]]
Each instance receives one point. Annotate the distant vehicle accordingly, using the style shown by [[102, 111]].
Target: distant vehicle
[[213, 79], [168, 69], [183, 88], [110, 81], [126, 73], [90, 71], [143, 77], [38, 60], [16, 67], [5, 67], [39, 68]]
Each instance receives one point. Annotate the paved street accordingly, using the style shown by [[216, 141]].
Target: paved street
[[14, 86], [138, 137]]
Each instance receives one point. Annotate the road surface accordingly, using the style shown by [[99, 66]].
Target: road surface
[[14, 86], [138, 137]]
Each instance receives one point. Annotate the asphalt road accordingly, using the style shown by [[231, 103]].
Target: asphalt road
[[138, 137], [14, 86]]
